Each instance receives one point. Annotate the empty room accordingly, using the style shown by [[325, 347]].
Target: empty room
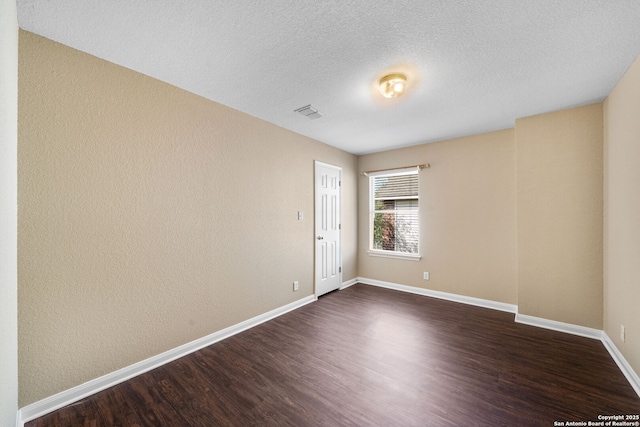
[[319, 213]]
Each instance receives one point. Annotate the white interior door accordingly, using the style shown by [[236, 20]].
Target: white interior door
[[328, 225]]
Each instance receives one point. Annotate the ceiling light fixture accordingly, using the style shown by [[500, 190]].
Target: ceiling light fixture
[[393, 85]]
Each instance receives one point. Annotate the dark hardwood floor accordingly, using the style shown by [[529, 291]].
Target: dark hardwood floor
[[367, 356]]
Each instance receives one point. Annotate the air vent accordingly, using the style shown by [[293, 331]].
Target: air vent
[[309, 111]]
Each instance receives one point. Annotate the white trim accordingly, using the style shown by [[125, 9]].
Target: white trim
[[494, 305], [567, 328], [348, 283], [554, 325], [317, 164], [327, 165], [396, 255], [64, 398], [50, 404], [622, 363], [412, 170]]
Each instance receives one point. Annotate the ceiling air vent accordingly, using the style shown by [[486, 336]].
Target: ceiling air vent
[[309, 111]]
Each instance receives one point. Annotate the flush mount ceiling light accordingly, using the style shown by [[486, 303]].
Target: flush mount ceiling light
[[393, 85]]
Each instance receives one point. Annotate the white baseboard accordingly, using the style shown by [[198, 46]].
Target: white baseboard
[[567, 328], [622, 363], [67, 397], [348, 283], [494, 305]]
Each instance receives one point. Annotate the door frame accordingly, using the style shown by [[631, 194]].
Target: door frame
[[317, 164]]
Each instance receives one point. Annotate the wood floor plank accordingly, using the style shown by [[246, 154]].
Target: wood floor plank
[[367, 356]]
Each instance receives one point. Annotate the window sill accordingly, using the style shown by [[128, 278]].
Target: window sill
[[396, 255]]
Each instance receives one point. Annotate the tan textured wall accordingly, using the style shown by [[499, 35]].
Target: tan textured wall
[[559, 174], [467, 217], [8, 212], [150, 217], [622, 215]]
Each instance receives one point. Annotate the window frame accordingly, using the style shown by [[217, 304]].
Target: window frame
[[388, 253]]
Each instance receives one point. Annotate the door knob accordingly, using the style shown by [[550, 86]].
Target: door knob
[[320, 237]]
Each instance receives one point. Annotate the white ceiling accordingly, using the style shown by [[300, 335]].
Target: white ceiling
[[473, 65]]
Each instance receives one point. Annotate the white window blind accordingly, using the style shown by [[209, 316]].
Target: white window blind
[[394, 212]]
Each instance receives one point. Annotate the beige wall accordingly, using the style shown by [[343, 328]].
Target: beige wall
[[622, 215], [8, 212], [467, 217], [150, 217], [559, 175], [513, 216]]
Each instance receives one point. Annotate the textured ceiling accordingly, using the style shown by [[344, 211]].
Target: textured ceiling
[[473, 66]]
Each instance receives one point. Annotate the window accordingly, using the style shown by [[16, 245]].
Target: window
[[394, 222]]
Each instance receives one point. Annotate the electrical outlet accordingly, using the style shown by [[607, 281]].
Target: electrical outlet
[[300, 216], [622, 332], [295, 285], [426, 275]]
